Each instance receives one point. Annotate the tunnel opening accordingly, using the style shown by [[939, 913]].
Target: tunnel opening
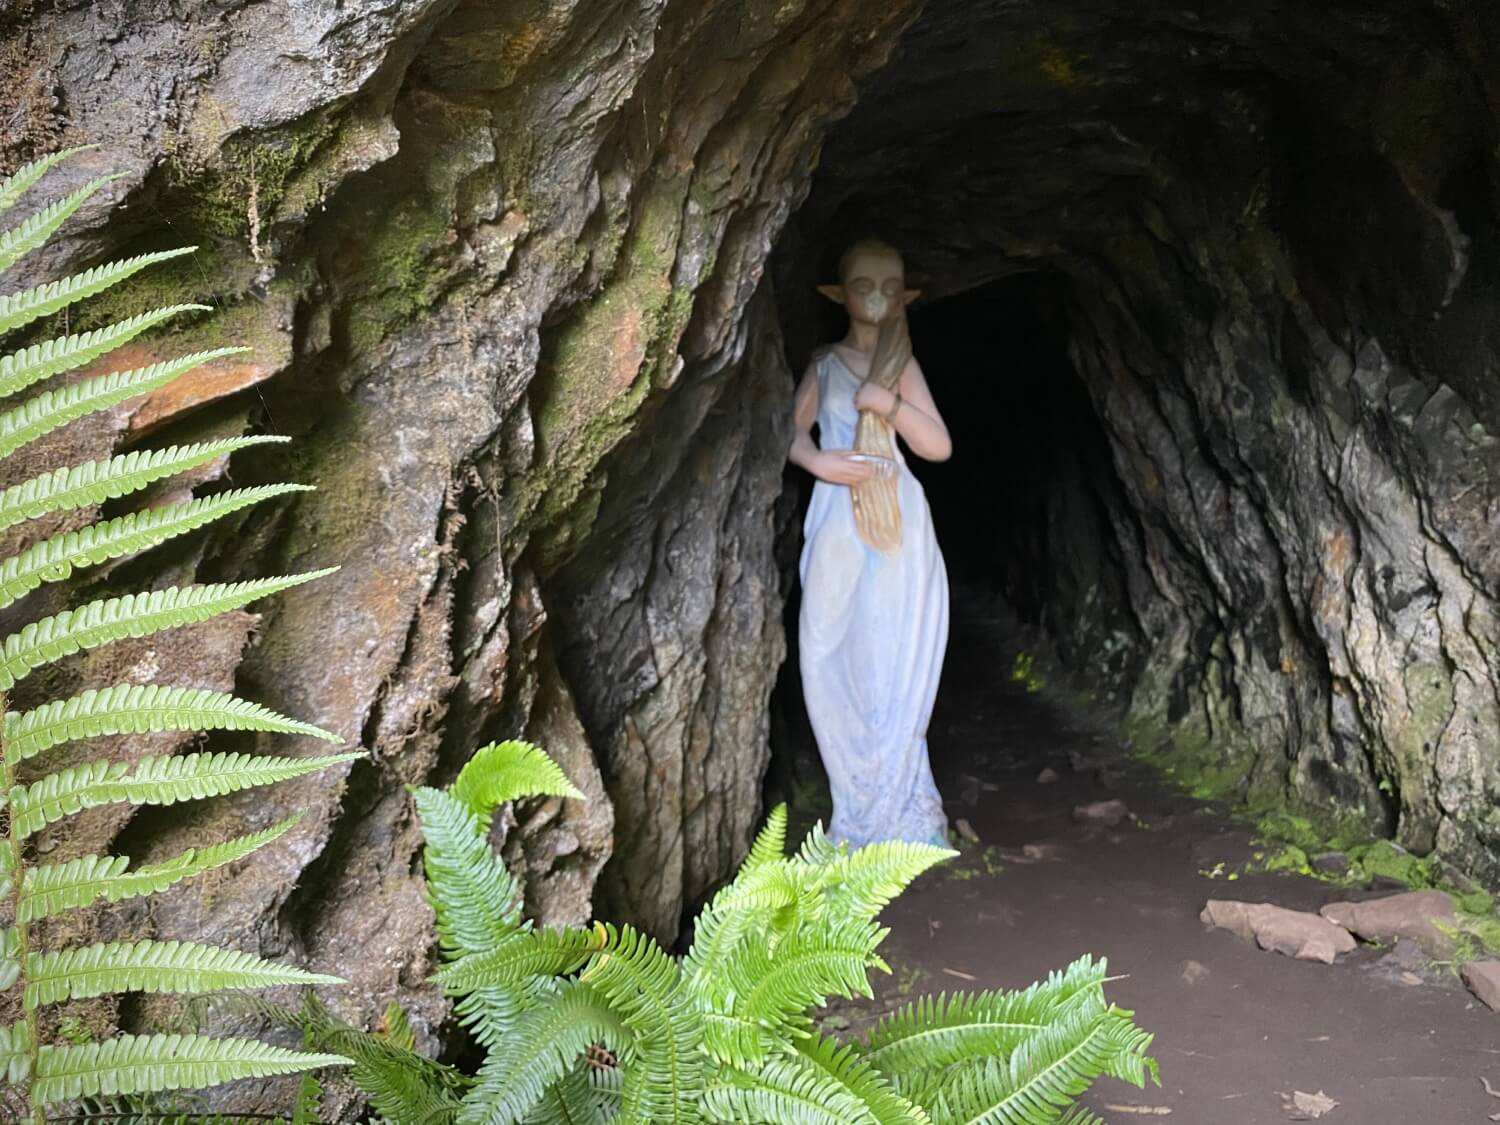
[[1234, 507], [1221, 446]]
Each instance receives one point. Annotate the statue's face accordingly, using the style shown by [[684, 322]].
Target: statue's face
[[875, 286]]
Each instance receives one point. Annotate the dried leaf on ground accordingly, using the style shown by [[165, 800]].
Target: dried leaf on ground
[[1302, 1106]]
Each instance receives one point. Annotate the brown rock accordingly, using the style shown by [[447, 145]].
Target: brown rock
[[1411, 915], [1483, 979], [1107, 814], [1295, 933]]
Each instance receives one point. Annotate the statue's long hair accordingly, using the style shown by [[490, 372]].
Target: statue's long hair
[[877, 503]]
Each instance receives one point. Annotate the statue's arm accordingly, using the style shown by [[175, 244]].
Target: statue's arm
[[918, 421], [833, 466]]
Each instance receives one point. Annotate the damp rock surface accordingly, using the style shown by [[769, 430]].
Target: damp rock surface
[[508, 275]]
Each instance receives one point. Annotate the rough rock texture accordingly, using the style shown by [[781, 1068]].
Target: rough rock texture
[[1483, 979], [1294, 933], [499, 266], [1419, 916], [503, 268], [1272, 233]]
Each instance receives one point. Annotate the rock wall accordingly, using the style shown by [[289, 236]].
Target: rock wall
[[503, 269], [499, 266]]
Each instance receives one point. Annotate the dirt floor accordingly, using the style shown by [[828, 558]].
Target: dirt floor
[[1238, 1030]]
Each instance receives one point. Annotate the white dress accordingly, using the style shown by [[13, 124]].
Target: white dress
[[873, 631]]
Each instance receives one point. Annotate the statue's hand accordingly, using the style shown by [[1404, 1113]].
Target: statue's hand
[[874, 398], [844, 466]]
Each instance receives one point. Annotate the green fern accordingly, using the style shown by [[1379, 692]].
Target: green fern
[[726, 1034], [108, 620], [125, 1066], [94, 482], [134, 1063], [153, 966], [139, 709], [51, 410], [53, 560]]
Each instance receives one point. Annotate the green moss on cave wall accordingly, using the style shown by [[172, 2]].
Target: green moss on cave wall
[[597, 370]]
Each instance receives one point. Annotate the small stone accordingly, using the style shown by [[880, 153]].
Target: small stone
[[1104, 813], [1294, 933], [1331, 863], [966, 830], [1483, 979], [1406, 955], [1194, 971], [1414, 915], [1047, 776]]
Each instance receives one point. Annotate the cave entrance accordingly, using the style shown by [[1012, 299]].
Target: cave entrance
[[1021, 510]]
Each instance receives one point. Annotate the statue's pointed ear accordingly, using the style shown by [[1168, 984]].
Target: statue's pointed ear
[[834, 293], [910, 295]]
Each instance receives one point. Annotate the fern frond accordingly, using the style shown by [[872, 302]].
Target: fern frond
[[822, 1083], [53, 560], [140, 709], [842, 1063], [39, 416], [864, 882], [397, 1028], [572, 1100], [544, 1047], [10, 956], [768, 900], [818, 850], [935, 1032], [43, 360], [134, 615], [1044, 1074], [307, 1109], [51, 888], [521, 956], [18, 309], [133, 1064], [153, 966], [404, 1087], [770, 841], [508, 771], [15, 1052], [490, 1014], [17, 184], [472, 894], [772, 991], [30, 233], [153, 781], [93, 482], [641, 984]]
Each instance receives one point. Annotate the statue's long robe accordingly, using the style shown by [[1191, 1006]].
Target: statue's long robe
[[872, 634]]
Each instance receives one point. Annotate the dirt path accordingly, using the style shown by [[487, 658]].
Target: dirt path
[[1236, 1028]]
